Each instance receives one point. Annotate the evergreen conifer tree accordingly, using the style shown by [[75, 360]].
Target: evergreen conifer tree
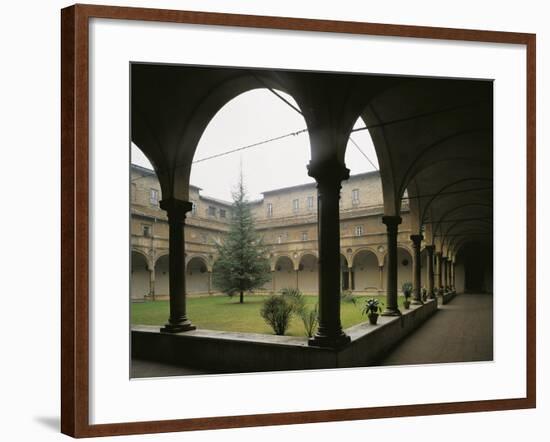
[[242, 265]]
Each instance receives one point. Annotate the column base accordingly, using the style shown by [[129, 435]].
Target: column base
[[391, 312], [334, 342], [178, 328]]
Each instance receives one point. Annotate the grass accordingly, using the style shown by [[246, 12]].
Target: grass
[[225, 313]]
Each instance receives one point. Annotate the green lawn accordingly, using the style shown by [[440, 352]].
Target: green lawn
[[225, 313]]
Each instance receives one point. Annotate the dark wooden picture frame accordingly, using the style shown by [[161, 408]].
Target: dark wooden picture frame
[[75, 219]]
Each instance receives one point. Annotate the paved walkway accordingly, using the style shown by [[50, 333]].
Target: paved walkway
[[460, 331]]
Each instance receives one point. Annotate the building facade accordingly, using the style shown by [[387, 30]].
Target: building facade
[[286, 219]]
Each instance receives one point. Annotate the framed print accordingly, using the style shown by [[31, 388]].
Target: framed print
[[272, 220]]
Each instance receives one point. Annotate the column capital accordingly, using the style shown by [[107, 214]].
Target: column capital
[[416, 239], [430, 248], [176, 209], [391, 220], [444, 258], [328, 171]]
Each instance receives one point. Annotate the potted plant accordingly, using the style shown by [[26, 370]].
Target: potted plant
[[424, 294], [407, 288], [372, 309]]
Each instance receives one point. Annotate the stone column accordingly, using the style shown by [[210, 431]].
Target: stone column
[[450, 272], [453, 268], [438, 267], [430, 251], [273, 281], [329, 175], [417, 278], [350, 279], [210, 282], [381, 278], [176, 210], [297, 283], [152, 283], [392, 225], [444, 266]]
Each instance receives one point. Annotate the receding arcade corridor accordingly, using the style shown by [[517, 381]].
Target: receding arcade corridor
[[460, 331]]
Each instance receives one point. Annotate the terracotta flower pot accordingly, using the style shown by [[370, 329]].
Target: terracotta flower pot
[[373, 318]]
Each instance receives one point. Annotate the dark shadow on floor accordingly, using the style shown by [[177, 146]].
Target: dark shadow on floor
[[50, 422]]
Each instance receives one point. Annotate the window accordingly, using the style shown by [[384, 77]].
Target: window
[[154, 197], [295, 205], [358, 230], [193, 208], [355, 196], [310, 202], [269, 209], [304, 236], [211, 211], [282, 237], [222, 213], [146, 230]]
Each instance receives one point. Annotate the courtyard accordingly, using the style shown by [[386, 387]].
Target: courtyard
[[389, 192], [224, 313]]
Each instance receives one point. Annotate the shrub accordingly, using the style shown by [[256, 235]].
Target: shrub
[[310, 318], [277, 312], [348, 296], [407, 288], [295, 298], [372, 306]]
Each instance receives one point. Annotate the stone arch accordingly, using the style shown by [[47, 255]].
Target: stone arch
[[415, 215], [196, 275], [284, 275], [201, 258], [214, 101], [372, 119], [345, 273], [308, 275], [313, 253], [145, 256], [441, 192], [174, 105], [367, 249], [163, 255], [366, 272], [447, 139], [140, 272]]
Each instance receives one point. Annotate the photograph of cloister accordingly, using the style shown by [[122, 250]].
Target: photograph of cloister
[[291, 220]]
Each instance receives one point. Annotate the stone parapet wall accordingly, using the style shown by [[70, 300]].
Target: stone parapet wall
[[249, 352]]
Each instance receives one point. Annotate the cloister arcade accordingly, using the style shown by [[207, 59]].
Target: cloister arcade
[[433, 138]]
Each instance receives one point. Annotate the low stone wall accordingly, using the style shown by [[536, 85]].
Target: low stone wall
[[371, 343], [247, 352], [447, 297]]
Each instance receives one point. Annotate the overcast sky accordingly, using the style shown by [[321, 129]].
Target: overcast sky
[[249, 118]]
